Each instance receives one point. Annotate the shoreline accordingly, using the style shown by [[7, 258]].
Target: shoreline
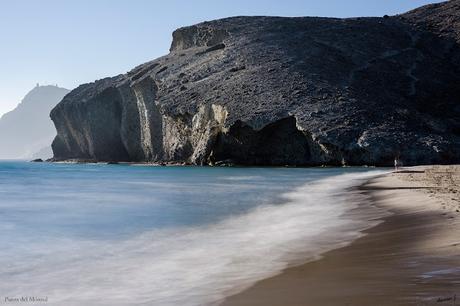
[[186, 164], [411, 258]]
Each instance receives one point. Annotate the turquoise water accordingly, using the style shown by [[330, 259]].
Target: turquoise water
[[131, 235]]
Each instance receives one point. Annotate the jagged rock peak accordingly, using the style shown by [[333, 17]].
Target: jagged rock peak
[[201, 35]]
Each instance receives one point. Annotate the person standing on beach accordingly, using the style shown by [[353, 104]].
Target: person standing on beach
[[396, 164]]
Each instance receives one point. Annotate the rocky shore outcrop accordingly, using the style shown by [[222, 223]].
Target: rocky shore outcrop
[[280, 91]]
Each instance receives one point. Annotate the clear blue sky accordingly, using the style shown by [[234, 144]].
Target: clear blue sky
[[69, 42]]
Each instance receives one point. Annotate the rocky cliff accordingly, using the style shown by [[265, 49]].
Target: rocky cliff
[[280, 91]]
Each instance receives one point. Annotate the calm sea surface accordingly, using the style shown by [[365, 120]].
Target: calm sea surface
[[138, 235]]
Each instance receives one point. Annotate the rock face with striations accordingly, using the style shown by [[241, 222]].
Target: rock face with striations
[[280, 91]]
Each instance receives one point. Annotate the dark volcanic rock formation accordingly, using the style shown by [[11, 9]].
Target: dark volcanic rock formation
[[440, 18], [279, 91]]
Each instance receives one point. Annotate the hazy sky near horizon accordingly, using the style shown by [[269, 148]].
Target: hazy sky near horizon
[[73, 42]]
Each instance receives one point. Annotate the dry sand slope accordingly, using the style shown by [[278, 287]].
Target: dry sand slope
[[412, 258]]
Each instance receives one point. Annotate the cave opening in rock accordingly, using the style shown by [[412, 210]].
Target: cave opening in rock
[[277, 144]]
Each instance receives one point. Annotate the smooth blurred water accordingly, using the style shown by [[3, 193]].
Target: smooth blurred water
[[130, 235]]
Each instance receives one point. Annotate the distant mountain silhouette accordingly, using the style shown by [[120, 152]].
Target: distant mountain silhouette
[[28, 128]]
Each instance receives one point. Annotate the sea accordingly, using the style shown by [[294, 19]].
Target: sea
[[97, 234]]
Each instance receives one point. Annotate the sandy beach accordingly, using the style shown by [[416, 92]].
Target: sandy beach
[[411, 258]]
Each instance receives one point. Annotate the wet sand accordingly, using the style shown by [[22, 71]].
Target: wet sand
[[412, 258]]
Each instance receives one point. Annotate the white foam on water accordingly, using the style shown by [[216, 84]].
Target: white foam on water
[[194, 266]]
